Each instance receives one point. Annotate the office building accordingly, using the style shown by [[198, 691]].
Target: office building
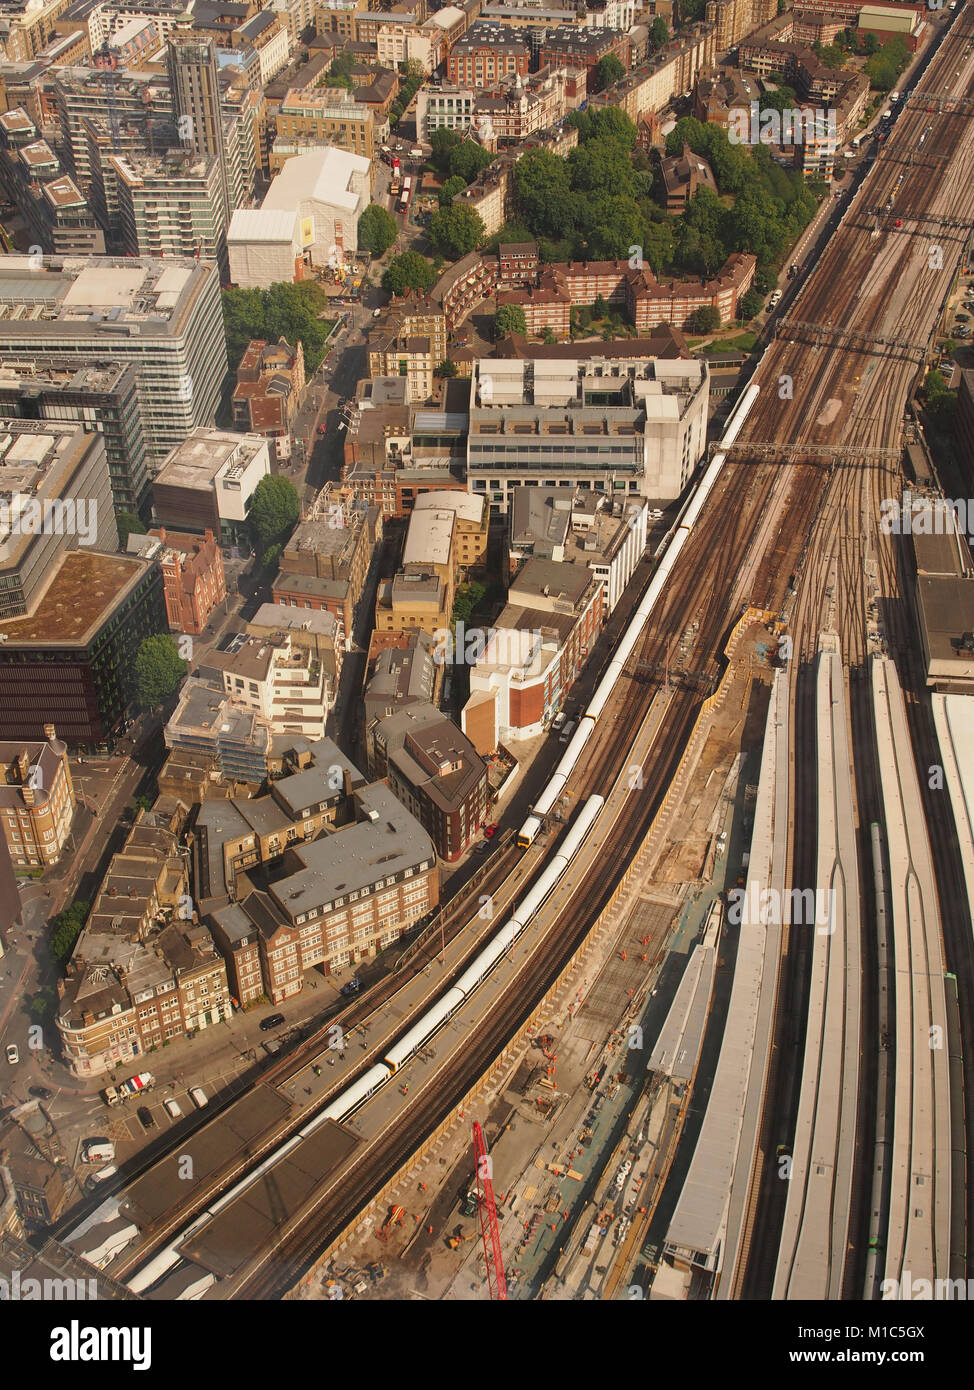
[[172, 205], [207, 481], [195, 85], [624, 428], [164, 316], [103, 395]]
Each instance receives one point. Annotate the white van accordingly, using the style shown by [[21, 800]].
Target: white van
[[98, 1151], [567, 731], [172, 1109], [775, 299], [198, 1096]]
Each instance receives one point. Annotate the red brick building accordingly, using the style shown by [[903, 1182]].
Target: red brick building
[[270, 384], [194, 579], [487, 53], [568, 47]]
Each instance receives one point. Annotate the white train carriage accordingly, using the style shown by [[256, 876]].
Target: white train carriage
[[351, 1098], [414, 1037]]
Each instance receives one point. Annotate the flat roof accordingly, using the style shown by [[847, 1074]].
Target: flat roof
[[85, 584]]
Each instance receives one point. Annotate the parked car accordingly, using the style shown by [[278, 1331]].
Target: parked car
[[275, 1021], [13, 1054], [146, 1117], [172, 1109], [198, 1096], [559, 720], [775, 299], [41, 1092], [352, 987]]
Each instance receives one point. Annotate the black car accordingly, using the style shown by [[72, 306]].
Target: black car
[[41, 1092], [146, 1118], [274, 1021]]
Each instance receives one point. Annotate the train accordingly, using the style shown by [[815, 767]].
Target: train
[[671, 549], [344, 1106]]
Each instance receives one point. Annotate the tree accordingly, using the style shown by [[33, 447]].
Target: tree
[[607, 71], [271, 561], [67, 928], [410, 271], [466, 160], [658, 34], [543, 193], [456, 230], [599, 307], [443, 142], [750, 305], [454, 185], [377, 230], [509, 319], [601, 166], [274, 510], [158, 670], [548, 336], [128, 525], [619, 226], [466, 600], [870, 44], [285, 311], [705, 320], [446, 368]]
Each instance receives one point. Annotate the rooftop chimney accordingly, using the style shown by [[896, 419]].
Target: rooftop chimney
[[49, 733]]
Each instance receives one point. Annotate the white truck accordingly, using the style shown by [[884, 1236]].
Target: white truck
[[125, 1090]]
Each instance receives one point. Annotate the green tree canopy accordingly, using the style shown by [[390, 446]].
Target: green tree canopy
[[128, 525], [509, 319], [377, 229], [284, 310], [607, 71], [274, 510], [454, 185], [158, 670], [67, 928], [750, 305], [446, 368], [456, 230], [410, 271], [466, 160], [705, 320], [658, 34], [443, 142]]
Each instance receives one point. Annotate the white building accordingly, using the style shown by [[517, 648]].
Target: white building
[[309, 217], [282, 683]]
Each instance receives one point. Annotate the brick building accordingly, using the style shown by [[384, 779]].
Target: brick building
[[37, 800], [487, 53], [192, 572], [435, 771], [270, 385]]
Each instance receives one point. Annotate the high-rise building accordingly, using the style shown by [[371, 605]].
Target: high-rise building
[[164, 316], [100, 393], [194, 79], [172, 205]]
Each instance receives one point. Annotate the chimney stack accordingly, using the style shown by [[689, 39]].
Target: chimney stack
[[28, 794], [49, 733]]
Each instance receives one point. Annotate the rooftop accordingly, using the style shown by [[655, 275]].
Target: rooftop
[[84, 585]]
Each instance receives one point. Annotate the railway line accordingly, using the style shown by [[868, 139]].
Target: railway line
[[716, 568]]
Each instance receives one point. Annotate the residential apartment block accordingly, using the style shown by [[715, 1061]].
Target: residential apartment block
[[409, 340], [437, 774], [278, 681], [506, 111], [142, 972], [326, 562], [340, 898]]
